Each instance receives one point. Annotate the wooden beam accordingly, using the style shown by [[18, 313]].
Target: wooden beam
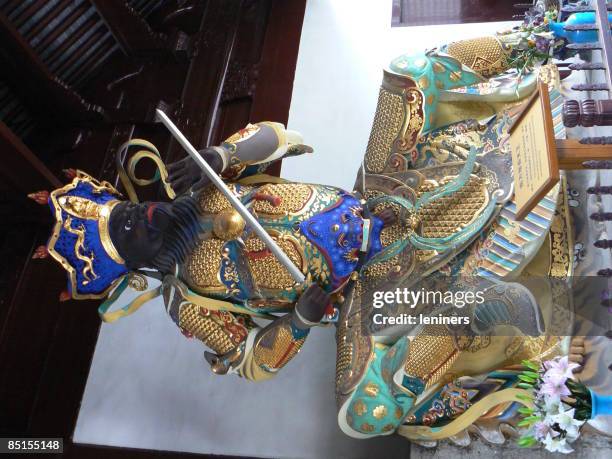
[[207, 71], [30, 79], [572, 154], [21, 167], [131, 31], [272, 98]]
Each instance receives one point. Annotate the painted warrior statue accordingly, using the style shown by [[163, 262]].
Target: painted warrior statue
[[432, 199]]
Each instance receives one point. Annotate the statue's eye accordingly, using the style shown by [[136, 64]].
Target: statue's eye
[[128, 225]]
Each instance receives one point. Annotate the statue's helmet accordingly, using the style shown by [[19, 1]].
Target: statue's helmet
[[80, 240]]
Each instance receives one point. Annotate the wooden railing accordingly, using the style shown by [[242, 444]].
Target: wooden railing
[[589, 113]]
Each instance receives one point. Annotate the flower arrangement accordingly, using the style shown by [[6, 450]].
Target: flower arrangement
[[533, 41], [561, 405]]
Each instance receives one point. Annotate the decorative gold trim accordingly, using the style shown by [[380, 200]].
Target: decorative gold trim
[[57, 228], [561, 236], [80, 251], [105, 238], [426, 433], [138, 282]]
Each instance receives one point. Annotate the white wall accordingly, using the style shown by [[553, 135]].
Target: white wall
[[345, 45]]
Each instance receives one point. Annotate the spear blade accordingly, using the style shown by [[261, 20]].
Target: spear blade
[[250, 220]]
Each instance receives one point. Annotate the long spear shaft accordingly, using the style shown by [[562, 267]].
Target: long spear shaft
[[297, 275]]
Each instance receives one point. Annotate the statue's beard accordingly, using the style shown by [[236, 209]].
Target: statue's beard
[[180, 237]]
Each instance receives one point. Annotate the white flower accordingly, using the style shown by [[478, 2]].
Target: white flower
[[566, 422], [571, 438], [541, 429], [553, 445], [553, 390], [552, 405], [558, 370]]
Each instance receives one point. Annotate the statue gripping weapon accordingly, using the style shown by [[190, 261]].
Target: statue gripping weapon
[[434, 196]]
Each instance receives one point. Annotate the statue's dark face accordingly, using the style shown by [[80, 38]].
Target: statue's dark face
[[137, 230]]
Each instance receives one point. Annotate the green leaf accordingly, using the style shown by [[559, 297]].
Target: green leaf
[[525, 442], [583, 414], [524, 423], [526, 379], [529, 364], [525, 386], [527, 398], [531, 374], [525, 410]]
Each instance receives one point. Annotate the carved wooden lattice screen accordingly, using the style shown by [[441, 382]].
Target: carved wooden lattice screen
[[431, 12]]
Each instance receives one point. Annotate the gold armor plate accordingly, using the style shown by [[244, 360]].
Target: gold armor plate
[[275, 347], [398, 122], [203, 265], [292, 199], [450, 213], [486, 55], [267, 271]]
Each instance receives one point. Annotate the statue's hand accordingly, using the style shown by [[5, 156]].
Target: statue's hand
[[311, 306], [185, 173]]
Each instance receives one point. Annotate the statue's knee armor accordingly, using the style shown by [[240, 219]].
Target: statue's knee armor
[[487, 56], [397, 123]]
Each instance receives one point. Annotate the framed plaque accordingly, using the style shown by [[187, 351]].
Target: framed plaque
[[534, 152]]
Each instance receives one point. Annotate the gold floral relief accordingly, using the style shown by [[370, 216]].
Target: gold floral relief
[[561, 239], [360, 408], [243, 134], [414, 121], [371, 389], [379, 411], [365, 427]]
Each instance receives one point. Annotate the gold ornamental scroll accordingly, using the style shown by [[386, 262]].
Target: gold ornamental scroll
[[534, 153]]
